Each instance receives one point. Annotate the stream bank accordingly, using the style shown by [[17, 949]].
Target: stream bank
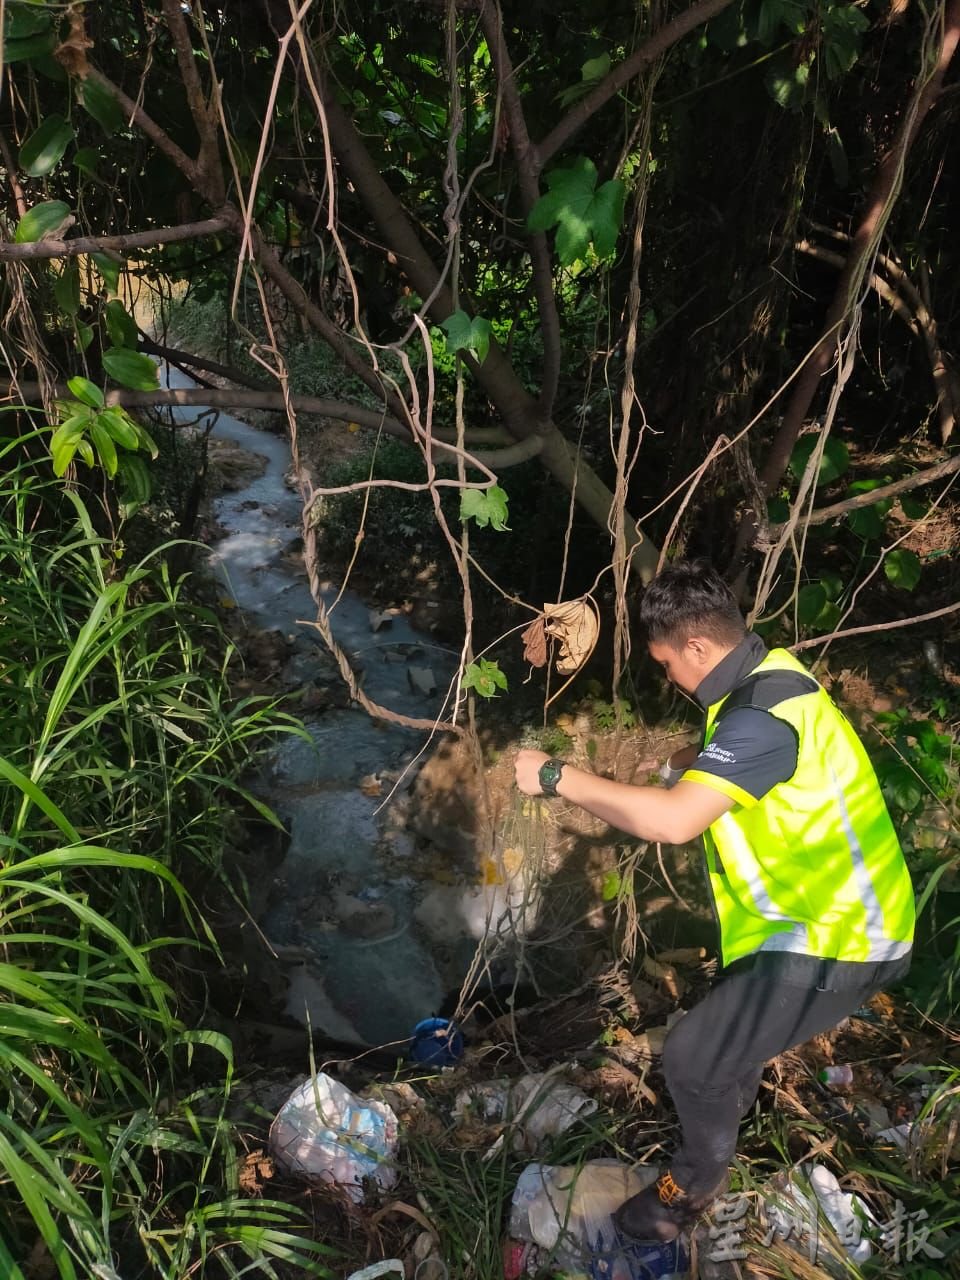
[[381, 896]]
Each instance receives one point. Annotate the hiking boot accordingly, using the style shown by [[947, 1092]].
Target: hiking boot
[[662, 1210]]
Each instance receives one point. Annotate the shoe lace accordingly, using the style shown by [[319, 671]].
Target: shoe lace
[[667, 1189]]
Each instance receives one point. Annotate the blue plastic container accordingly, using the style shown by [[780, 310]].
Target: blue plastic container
[[436, 1042]]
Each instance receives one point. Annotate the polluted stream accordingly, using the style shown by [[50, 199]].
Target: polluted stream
[[347, 911]]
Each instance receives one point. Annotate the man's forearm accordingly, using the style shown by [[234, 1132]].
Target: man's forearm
[[650, 813]]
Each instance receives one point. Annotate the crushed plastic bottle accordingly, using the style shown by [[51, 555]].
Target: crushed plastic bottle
[[837, 1077]]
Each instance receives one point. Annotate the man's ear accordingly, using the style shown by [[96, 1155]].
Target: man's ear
[[698, 649]]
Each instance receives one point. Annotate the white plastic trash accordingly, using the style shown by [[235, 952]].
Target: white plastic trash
[[565, 1213], [541, 1106], [325, 1131]]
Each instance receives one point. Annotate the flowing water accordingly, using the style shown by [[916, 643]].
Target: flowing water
[[348, 908]]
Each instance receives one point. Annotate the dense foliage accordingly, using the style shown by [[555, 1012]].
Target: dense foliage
[[698, 265]]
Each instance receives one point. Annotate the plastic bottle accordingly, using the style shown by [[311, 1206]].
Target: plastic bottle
[[836, 1077]]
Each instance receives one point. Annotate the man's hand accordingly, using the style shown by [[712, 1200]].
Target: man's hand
[[527, 771]]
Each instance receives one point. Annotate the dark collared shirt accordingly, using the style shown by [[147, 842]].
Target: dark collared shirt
[[751, 750]]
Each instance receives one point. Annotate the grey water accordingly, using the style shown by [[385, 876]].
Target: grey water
[[344, 905]]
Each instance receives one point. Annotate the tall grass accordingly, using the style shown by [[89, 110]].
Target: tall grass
[[120, 753]]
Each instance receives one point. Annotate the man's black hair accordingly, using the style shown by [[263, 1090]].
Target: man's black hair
[[691, 599]]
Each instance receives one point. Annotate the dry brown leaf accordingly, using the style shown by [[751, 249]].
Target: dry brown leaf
[[371, 785], [574, 623], [535, 643]]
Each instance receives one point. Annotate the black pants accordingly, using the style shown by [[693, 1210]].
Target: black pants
[[714, 1057]]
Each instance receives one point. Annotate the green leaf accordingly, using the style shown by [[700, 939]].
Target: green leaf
[[109, 268], [135, 479], [42, 221], [486, 506], [592, 71], [105, 447], [841, 27], [832, 584], [43, 150], [484, 677], [596, 68], [22, 20], [86, 160], [121, 326], [914, 508], [84, 335], [102, 105], [465, 333], [147, 441], [131, 369], [480, 337], [866, 522], [902, 568], [791, 14], [611, 886], [902, 788], [580, 212], [787, 83], [828, 618], [66, 288], [86, 392], [458, 328], [833, 463], [119, 427], [62, 456], [811, 601], [605, 216], [26, 47]]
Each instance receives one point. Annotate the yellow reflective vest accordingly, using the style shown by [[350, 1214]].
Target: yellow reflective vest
[[815, 866]]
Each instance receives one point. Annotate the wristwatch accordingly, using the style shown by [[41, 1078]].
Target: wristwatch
[[549, 776]]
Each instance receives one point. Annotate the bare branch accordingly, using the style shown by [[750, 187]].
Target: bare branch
[[659, 43], [204, 118], [905, 301], [11, 168], [118, 244], [341, 411], [916, 481], [161, 140], [185, 358], [877, 626]]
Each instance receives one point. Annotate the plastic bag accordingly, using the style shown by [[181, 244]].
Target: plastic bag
[[564, 1216], [540, 1106], [325, 1131]]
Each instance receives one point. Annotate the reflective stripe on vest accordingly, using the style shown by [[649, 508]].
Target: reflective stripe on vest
[[815, 867]]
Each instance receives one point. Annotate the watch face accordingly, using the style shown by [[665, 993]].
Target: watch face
[[550, 772]]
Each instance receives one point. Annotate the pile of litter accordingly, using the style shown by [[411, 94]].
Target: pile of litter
[[560, 1143]]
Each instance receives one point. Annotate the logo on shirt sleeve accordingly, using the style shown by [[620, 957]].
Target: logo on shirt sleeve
[[717, 755]]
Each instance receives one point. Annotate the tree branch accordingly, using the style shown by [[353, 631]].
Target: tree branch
[[491, 18], [203, 118], [906, 301], [161, 140], [180, 358], [919, 478], [119, 244], [884, 192], [659, 43], [876, 626], [227, 398]]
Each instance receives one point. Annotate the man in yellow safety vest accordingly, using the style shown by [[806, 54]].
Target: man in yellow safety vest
[[811, 891]]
